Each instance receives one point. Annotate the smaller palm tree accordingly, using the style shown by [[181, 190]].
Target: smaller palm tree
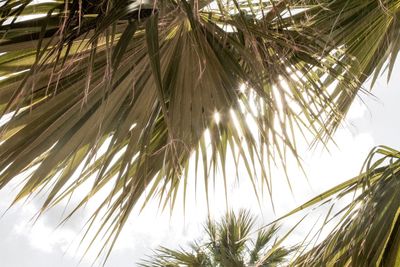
[[228, 243]]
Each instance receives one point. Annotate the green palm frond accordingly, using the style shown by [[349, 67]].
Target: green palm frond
[[363, 34], [228, 243], [367, 233], [264, 237], [144, 80], [174, 258], [367, 32]]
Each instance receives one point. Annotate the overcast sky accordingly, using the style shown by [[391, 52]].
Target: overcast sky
[[23, 243]]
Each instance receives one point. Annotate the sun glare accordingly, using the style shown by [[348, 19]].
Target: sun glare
[[217, 117]]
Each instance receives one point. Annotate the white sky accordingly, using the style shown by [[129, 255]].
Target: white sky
[[25, 244]]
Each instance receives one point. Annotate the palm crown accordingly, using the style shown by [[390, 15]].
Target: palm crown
[[227, 243]]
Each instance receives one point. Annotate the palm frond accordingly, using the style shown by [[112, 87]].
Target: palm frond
[[165, 257], [367, 233], [367, 32], [264, 237]]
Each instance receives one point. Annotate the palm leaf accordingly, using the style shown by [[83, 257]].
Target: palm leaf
[[367, 232], [175, 258]]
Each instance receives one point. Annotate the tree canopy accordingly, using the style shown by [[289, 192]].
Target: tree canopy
[[126, 89]]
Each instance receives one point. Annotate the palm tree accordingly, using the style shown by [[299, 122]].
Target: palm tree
[[227, 243], [144, 80]]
